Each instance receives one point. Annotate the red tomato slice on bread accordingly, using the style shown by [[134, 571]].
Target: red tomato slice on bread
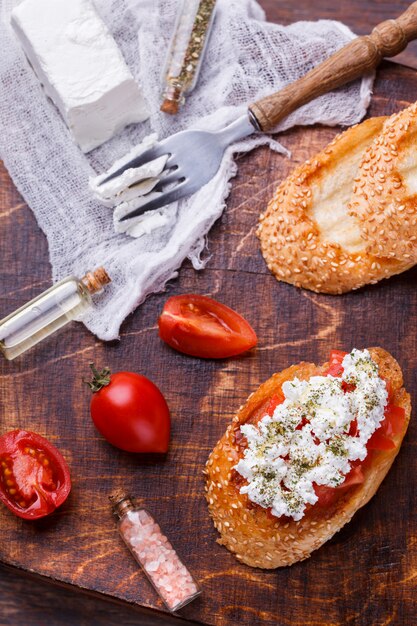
[[327, 494], [275, 400], [335, 363]]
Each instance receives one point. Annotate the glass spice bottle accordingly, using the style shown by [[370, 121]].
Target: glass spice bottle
[[49, 311], [154, 553], [186, 51]]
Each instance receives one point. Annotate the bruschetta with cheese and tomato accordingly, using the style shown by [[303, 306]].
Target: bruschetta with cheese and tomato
[[309, 447]]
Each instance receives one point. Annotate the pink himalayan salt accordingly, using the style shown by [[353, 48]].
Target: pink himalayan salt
[[158, 558]]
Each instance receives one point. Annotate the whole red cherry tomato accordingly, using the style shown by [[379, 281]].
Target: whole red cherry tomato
[[34, 477], [202, 327], [130, 411]]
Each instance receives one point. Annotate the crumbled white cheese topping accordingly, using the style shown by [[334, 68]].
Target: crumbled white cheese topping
[[306, 441]]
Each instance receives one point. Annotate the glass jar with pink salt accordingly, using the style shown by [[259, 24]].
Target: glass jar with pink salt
[[154, 553]]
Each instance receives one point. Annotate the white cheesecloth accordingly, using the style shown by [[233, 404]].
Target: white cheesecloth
[[246, 58]]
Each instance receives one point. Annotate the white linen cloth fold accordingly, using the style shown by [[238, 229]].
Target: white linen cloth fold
[[246, 58]]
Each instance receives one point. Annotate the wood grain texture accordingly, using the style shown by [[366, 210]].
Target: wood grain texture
[[360, 15], [34, 602], [366, 575]]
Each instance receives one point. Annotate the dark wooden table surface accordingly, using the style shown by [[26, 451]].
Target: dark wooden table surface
[[29, 601]]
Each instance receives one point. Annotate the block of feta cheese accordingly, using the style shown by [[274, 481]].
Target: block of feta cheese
[[80, 66]]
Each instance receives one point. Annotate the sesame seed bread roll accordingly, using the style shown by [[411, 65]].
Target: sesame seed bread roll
[[384, 198], [311, 236], [252, 533]]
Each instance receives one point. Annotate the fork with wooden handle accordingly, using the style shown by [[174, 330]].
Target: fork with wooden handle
[[195, 156]]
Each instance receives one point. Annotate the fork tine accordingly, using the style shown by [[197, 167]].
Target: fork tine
[[174, 177], [156, 203], [149, 155]]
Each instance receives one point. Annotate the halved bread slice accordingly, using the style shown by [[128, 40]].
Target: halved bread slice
[[308, 234], [255, 536]]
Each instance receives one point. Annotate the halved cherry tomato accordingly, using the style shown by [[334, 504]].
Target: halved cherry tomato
[[202, 327], [34, 476], [130, 411]]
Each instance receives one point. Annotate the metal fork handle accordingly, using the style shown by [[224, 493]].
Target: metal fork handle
[[355, 59]]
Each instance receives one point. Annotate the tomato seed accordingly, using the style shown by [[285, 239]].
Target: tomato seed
[[22, 503], [12, 492], [9, 483], [45, 462], [8, 472]]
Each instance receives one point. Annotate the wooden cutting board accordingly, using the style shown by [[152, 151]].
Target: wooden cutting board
[[366, 575]]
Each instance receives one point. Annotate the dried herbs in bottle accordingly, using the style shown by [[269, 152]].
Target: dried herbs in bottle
[[186, 51]]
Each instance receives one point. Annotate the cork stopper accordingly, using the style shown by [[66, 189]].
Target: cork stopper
[[96, 280], [170, 106], [172, 99], [121, 502]]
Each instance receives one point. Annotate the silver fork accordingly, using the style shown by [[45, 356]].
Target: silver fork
[[195, 156]]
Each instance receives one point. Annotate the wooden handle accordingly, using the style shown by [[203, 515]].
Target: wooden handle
[[352, 61]]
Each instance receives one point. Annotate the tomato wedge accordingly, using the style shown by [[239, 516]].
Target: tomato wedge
[[34, 476], [202, 327]]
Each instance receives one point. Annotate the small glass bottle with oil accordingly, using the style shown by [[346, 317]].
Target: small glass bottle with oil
[[48, 312]]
